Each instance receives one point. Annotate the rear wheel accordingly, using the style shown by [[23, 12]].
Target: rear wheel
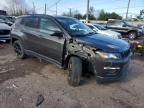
[[18, 48], [132, 35], [74, 71]]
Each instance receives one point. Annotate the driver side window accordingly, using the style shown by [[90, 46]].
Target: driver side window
[[48, 26]]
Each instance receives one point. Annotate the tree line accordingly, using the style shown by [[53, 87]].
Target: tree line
[[17, 7], [20, 7], [94, 15]]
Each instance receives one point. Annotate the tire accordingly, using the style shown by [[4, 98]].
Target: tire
[[74, 71], [132, 35], [18, 48]]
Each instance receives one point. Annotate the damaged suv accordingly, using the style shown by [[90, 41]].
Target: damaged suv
[[70, 44]]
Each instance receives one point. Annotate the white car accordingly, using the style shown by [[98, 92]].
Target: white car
[[102, 30], [4, 31]]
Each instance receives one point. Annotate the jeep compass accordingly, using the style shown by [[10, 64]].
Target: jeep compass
[[70, 44]]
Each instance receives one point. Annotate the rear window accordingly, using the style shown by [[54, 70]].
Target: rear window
[[32, 22]]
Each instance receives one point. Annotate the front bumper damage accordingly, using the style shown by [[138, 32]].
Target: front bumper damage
[[105, 70]]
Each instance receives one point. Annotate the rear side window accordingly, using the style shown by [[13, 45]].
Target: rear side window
[[32, 22], [48, 26]]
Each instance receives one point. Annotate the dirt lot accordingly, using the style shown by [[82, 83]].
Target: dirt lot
[[21, 81]]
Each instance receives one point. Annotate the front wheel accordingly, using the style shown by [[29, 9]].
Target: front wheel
[[132, 35], [74, 71], [18, 48]]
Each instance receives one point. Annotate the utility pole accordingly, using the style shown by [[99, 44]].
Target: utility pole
[[45, 9], [33, 8], [87, 13], [127, 9], [56, 9], [70, 12]]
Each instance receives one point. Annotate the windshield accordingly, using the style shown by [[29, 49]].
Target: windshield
[[74, 27], [99, 27]]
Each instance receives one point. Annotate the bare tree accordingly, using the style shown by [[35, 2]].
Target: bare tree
[[16, 7]]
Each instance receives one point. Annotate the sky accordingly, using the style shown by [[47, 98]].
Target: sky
[[118, 6]]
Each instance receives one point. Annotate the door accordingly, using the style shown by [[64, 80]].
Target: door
[[31, 33], [51, 45]]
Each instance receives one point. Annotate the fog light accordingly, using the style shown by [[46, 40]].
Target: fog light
[[139, 46]]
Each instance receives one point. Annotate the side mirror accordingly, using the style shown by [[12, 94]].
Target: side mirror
[[57, 33]]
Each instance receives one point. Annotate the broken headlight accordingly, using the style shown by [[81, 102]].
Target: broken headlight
[[104, 55]]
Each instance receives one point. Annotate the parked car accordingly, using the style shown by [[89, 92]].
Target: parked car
[[137, 46], [83, 21], [123, 27], [102, 24], [11, 18], [3, 12], [4, 31], [70, 44], [102, 30], [6, 20]]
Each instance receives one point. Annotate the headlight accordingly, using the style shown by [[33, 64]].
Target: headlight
[[103, 55]]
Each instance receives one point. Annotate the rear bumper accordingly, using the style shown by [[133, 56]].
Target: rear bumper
[[110, 70], [5, 37]]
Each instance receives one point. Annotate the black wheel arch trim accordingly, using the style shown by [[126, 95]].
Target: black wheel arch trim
[[80, 55]]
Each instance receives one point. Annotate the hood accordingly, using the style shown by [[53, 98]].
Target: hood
[[109, 33], [104, 43], [4, 26]]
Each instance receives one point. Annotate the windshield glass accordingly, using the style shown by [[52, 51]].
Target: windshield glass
[[100, 27], [74, 27]]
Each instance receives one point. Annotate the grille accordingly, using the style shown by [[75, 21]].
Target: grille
[[125, 53], [113, 72], [4, 32]]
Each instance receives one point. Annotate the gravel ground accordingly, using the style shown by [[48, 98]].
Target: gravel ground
[[22, 81]]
